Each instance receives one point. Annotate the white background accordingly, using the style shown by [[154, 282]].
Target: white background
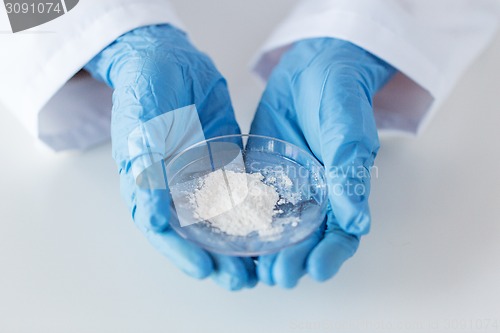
[[71, 259]]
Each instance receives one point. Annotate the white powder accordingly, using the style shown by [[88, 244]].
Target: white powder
[[241, 203], [283, 184]]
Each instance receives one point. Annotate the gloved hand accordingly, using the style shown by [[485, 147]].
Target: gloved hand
[[319, 97], [167, 95]]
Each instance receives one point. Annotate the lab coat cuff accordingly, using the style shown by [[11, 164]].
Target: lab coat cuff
[[65, 111], [404, 104]]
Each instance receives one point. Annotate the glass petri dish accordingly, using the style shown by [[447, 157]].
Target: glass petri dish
[[298, 178]]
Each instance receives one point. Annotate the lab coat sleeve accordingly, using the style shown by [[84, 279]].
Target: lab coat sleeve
[[431, 43], [38, 66]]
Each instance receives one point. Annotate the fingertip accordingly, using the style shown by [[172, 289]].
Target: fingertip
[[229, 272], [288, 269], [229, 283], [264, 269], [202, 267], [252, 283], [290, 265], [320, 274], [351, 211], [320, 269], [327, 258], [252, 278], [288, 283]]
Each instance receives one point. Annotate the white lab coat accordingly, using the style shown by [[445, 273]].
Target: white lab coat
[[430, 42]]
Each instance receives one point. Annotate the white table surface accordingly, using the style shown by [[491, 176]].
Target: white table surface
[[71, 259]]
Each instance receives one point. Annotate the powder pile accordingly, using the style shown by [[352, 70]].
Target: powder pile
[[238, 203]]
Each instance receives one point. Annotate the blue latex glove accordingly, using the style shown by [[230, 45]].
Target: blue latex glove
[[319, 97], [155, 70]]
